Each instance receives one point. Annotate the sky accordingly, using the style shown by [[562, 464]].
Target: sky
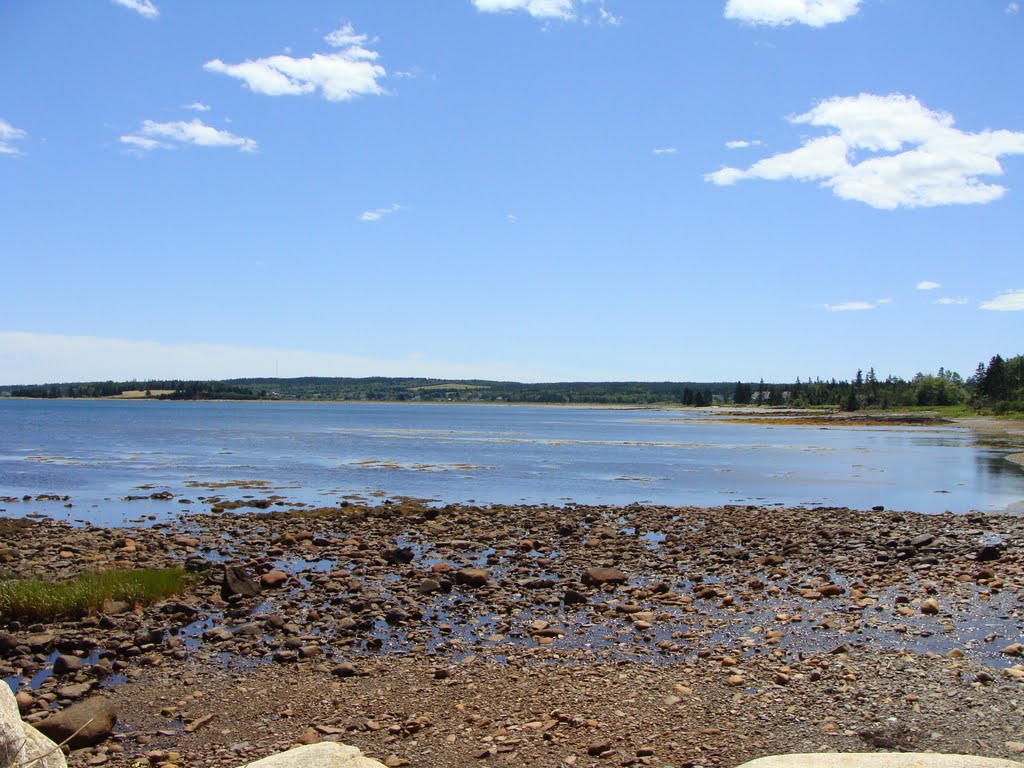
[[532, 190]]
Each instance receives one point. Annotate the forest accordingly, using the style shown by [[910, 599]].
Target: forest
[[996, 387]]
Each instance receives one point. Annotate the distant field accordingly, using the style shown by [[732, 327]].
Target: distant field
[[140, 394]]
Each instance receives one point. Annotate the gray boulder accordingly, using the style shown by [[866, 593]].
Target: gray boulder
[[326, 754], [21, 745]]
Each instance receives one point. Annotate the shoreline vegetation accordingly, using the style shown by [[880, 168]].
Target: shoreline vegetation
[[994, 389]]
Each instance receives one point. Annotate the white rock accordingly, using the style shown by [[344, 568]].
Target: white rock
[[21, 745], [879, 760], [326, 754]]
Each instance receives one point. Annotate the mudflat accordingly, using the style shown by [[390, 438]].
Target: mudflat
[[511, 635]]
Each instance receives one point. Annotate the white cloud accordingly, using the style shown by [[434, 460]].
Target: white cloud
[[608, 18], [780, 13], [198, 106], [142, 7], [928, 285], [851, 306], [1013, 7], [154, 135], [1007, 301], [8, 134], [379, 213], [930, 162], [741, 144], [883, 301], [35, 358], [951, 300], [539, 9], [340, 76], [511, 218], [665, 151]]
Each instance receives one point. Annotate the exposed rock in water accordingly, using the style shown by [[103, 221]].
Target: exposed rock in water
[[81, 725]]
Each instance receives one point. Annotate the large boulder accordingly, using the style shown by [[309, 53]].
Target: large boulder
[[21, 745], [878, 760], [326, 754], [82, 725]]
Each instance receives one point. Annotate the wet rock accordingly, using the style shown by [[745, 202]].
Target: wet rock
[[81, 725], [599, 576], [429, 586], [273, 579], [63, 665], [988, 553], [238, 582], [472, 577]]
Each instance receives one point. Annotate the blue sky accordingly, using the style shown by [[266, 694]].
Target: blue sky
[[514, 189]]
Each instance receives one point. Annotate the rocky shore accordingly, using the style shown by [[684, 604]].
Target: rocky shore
[[458, 635]]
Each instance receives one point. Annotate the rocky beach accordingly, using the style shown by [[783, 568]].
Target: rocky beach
[[435, 635]]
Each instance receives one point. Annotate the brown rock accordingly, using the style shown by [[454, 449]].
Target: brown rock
[[599, 576], [273, 579], [82, 725], [472, 577]]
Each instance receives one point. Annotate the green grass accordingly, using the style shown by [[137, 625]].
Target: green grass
[[41, 600]]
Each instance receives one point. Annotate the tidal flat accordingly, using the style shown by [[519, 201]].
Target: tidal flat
[[449, 635]]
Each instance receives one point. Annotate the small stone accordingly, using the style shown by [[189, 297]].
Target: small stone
[[598, 747], [930, 607], [273, 579]]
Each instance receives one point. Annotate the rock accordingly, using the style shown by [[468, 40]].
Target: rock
[[1013, 649], [573, 597], [21, 745], [326, 754], [879, 760], [989, 552], [472, 577], [830, 590], [84, 724], [8, 644], [429, 586], [238, 582], [598, 747], [62, 665], [273, 579], [930, 607], [345, 669], [599, 576]]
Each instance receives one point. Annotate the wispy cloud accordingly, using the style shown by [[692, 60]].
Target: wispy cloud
[[511, 218], [929, 162], [665, 151], [741, 144], [340, 76], [155, 135], [952, 300], [1007, 301], [851, 306], [928, 285], [554, 10], [142, 7], [9, 134], [781, 13], [197, 106], [1013, 7], [379, 213]]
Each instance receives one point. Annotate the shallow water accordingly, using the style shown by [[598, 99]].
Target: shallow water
[[98, 452]]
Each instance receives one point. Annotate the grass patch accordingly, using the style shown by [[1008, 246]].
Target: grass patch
[[41, 600]]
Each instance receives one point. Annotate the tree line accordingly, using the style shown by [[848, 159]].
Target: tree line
[[997, 386]]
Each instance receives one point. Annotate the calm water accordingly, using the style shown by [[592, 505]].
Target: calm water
[[100, 451]]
